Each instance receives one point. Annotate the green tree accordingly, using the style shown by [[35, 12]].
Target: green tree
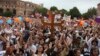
[[90, 13], [8, 14], [74, 12], [41, 10], [85, 15], [64, 11], [53, 8]]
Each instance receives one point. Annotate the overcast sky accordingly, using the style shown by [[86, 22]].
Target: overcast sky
[[82, 5]]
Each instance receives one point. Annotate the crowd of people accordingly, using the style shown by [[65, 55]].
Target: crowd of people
[[32, 39]]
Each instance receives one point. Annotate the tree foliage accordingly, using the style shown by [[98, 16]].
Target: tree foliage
[[41, 10], [8, 14], [64, 11], [53, 8], [74, 12], [90, 13]]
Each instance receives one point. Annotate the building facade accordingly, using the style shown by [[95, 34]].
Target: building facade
[[17, 7], [98, 9]]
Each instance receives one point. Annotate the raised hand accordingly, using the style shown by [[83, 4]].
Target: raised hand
[[50, 45]]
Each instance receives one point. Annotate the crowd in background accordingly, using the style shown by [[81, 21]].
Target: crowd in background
[[32, 39]]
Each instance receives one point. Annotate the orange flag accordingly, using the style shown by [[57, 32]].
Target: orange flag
[[81, 23], [16, 20], [27, 19]]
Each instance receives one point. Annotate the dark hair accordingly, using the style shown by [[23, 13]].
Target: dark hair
[[42, 50], [75, 51], [91, 52], [95, 40], [71, 53]]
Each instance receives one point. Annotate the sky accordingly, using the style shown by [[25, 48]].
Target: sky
[[82, 5]]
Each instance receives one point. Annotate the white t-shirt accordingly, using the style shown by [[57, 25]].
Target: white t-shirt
[[22, 29], [43, 55], [35, 55], [13, 36], [33, 48], [89, 42], [2, 53], [8, 31], [81, 55], [47, 40], [1, 32]]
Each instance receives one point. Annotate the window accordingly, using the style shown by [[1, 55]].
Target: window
[[1, 11], [28, 4], [14, 11]]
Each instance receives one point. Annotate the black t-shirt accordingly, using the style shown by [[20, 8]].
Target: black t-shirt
[[26, 35]]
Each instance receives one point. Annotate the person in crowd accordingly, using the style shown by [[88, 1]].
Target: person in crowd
[[94, 52], [77, 52], [32, 39]]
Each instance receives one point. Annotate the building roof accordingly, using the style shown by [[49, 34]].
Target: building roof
[[31, 3]]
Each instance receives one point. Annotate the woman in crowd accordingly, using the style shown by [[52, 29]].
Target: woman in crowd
[[94, 52]]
